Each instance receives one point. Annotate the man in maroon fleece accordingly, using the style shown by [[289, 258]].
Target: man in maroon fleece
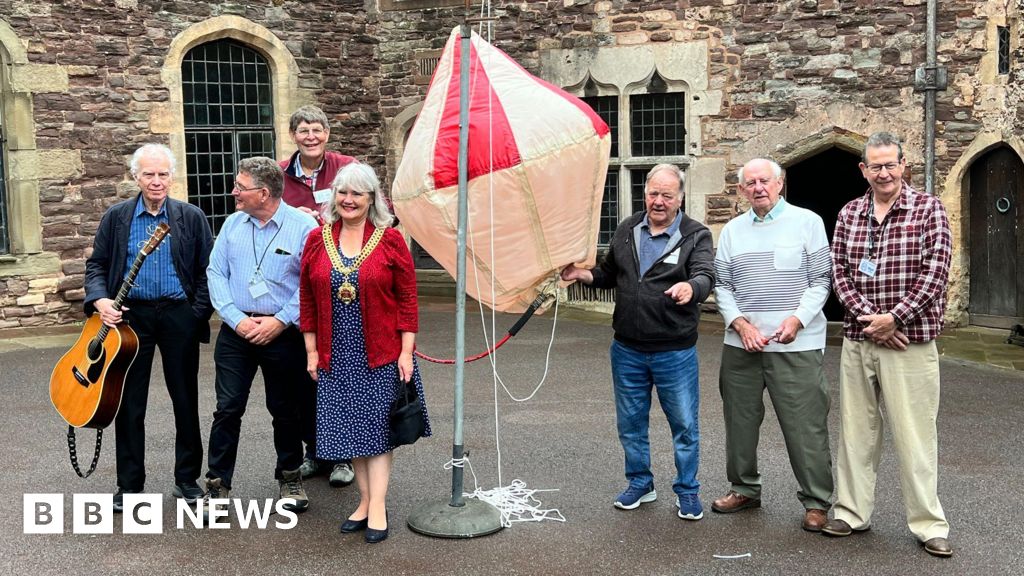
[[308, 174]]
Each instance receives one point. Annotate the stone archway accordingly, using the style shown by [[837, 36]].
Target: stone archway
[[956, 196], [287, 96]]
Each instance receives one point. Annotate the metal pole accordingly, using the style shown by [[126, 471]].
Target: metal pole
[[459, 517], [460, 262], [929, 100]]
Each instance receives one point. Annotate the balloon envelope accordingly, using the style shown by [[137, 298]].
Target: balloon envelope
[[537, 163]]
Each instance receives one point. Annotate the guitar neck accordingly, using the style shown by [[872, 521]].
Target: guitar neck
[[122, 292]]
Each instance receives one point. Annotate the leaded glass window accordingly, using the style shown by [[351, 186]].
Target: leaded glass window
[[5, 236], [1003, 49], [228, 116], [655, 133]]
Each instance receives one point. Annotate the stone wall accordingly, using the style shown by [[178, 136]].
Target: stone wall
[[791, 78], [94, 74], [797, 77]]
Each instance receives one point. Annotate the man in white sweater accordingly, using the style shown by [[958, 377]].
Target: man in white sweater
[[773, 267]]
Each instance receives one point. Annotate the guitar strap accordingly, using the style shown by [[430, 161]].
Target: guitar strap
[[74, 453]]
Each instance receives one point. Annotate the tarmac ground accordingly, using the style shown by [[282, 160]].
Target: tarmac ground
[[563, 439]]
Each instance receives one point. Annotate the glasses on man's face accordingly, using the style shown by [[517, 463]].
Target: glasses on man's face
[[303, 132], [877, 168], [239, 188]]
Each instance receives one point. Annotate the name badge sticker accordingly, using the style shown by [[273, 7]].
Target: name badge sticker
[[673, 258], [257, 289], [867, 267], [321, 196]]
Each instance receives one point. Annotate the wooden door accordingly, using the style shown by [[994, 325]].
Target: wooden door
[[997, 239]]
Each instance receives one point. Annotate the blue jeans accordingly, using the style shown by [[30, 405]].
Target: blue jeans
[[674, 374]]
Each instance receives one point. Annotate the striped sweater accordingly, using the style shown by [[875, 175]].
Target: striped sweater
[[770, 270]]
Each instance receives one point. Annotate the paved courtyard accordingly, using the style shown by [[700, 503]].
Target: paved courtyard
[[563, 439]]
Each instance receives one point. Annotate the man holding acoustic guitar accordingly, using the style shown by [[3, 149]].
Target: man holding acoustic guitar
[[169, 308]]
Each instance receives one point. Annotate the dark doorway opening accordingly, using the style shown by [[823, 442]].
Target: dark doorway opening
[[997, 239], [824, 183]]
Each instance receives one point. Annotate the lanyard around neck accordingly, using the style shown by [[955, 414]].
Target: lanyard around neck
[[259, 260]]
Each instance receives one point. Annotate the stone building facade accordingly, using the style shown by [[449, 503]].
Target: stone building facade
[[707, 84]]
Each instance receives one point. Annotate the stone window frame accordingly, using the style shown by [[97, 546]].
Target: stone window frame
[[627, 70], [169, 117], [626, 162], [19, 80]]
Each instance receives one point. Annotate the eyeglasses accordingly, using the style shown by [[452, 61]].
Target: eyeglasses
[[303, 132], [877, 168], [238, 187]]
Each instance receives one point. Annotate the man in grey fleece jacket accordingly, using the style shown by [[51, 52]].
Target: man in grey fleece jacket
[[661, 263]]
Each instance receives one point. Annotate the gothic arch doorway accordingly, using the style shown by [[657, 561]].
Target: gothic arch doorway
[[997, 239], [824, 183]]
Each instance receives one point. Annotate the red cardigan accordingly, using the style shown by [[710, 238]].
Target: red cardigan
[[387, 295]]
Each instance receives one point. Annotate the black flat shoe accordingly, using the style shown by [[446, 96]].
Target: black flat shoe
[[349, 525], [373, 535]]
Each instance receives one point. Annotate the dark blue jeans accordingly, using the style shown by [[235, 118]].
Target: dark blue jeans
[[282, 362], [674, 375]]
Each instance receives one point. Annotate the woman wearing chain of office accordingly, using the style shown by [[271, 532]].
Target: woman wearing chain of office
[[358, 313]]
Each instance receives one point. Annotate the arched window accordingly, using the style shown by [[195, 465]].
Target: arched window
[[229, 115], [5, 242]]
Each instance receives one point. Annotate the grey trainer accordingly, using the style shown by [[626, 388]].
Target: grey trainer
[[214, 489], [342, 474], [310, 467], [291, 488]]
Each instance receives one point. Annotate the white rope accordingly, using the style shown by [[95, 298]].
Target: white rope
[[515, 502]]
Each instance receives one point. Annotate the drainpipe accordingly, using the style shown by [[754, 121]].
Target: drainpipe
[[930, 78]]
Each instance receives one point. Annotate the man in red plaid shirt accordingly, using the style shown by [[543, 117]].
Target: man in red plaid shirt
[[891, 254]]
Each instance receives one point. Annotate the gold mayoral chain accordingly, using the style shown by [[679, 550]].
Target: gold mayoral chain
[[347, 292]]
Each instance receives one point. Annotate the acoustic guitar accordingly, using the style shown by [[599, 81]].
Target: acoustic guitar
[[86, 384]]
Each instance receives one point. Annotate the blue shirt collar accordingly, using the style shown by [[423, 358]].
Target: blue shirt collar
[[672, 228], [773, 214], [140, 207], [277, 218]]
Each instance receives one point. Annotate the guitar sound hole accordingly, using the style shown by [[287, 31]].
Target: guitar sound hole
[[95, 350]]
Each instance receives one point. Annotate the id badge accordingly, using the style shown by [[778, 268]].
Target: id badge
[[257, 289], [321, 196], [867, 267], [673, 257]]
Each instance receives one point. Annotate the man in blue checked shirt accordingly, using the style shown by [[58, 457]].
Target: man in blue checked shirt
[[254, 285], [168, 307]]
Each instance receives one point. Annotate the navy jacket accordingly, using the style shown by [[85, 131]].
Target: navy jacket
[[645, 318], [193, 240]]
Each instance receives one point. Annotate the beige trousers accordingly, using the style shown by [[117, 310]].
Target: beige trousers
[[907, 382]]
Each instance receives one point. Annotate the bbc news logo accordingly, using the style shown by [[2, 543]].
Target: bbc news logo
[[144, 514]]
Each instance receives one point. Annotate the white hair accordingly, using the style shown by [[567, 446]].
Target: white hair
[[776, 169], [150, 150], [671, 169]]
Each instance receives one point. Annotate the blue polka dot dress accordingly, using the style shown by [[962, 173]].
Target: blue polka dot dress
[[353, 400]]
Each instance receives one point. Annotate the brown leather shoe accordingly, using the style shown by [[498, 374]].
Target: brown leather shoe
[[838, 528], [814, 519], [938, 547], [734, 502]]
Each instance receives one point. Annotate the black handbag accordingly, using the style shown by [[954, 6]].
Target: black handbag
[[406, 418]]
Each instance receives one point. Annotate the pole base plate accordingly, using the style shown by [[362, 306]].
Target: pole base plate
[[442, 520]]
